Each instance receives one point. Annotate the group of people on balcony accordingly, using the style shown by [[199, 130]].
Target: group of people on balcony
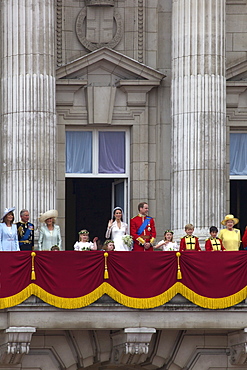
[[20, 236], [142, 230]]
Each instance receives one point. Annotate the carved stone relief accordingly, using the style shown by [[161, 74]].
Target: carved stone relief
[[99, 25]]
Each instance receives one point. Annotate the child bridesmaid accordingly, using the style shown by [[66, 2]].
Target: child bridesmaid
[[167, 244], [84, 244]]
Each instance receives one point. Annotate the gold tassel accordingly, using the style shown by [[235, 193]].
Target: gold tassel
[[106, 275], [179, 273], [33, 275]]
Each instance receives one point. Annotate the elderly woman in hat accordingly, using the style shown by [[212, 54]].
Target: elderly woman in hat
[[117, 229], [8, 232], [230, 236], [49, 234], [84, 244]]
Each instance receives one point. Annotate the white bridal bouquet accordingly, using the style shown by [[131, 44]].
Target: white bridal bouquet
[[85, 249], [128, 240]]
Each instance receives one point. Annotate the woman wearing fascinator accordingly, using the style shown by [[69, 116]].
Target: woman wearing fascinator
[[117, 229], [8, 232]]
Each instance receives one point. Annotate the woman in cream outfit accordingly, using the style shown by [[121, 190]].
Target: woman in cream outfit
[[49, 234], [230, 236]]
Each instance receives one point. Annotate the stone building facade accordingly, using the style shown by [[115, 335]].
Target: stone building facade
[[166, 80]]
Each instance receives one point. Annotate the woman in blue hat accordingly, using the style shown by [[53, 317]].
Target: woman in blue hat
[[8, 231]]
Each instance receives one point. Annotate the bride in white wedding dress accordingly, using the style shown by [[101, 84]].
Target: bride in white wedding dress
[[117, 229]]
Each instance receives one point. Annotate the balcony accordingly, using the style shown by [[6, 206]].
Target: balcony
[[74, 310]]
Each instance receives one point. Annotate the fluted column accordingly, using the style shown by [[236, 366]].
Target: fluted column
[[28, 120], [198, 114]]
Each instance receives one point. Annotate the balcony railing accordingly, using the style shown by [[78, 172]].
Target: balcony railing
[[70, 279]]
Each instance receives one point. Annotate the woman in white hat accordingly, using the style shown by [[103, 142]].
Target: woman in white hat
[[117, 229], [8, 231], [230, 236], [49, 234]]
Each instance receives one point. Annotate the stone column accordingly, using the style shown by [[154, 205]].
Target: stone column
[[28, 121], [198, 115]]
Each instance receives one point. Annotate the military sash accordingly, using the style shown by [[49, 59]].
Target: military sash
[[26, 235], [144, 225]]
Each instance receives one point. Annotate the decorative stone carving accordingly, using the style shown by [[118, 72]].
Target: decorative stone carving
[[95, 27], [140, 30], [100, 104], [14, 344], [129, 76], [238, 354], [131, 343], [136, 91], [99, 2], [59, 32], [238, 347]]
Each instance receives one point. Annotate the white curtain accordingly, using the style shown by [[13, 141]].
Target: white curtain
[[78, 151], [111, 148], [111, 152], [238, 154]]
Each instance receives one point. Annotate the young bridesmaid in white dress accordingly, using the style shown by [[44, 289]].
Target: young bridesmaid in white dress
[[167, 244], [84, 244]]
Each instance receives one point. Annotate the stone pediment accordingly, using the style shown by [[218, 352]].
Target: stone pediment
[[107, 67], [237, 72], [103, 74], [236, 88]]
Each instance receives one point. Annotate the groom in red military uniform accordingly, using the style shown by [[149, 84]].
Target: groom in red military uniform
[[142, 230]]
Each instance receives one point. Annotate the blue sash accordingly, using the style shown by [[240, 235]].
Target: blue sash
[[144, 225], [26, 235]]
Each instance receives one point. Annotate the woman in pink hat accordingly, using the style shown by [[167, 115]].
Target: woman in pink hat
[[230, 236]]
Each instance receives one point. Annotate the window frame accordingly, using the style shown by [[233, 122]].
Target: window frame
[[236, 177], [95, 153]]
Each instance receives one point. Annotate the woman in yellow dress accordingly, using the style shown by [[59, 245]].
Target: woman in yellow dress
[[230, 236]]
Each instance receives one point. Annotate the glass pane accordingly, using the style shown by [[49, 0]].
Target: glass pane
[[111, 152], [238, 154], [78, 152], [119, 195]]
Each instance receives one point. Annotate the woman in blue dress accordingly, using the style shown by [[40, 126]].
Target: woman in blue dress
[[8, 232]]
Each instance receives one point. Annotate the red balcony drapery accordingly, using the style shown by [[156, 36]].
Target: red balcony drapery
[[69, 279]]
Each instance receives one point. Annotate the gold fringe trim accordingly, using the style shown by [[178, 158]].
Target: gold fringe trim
[[106, 275], [67, 303], [16, 299], [139, 303], [142, 303], [212, 303]]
